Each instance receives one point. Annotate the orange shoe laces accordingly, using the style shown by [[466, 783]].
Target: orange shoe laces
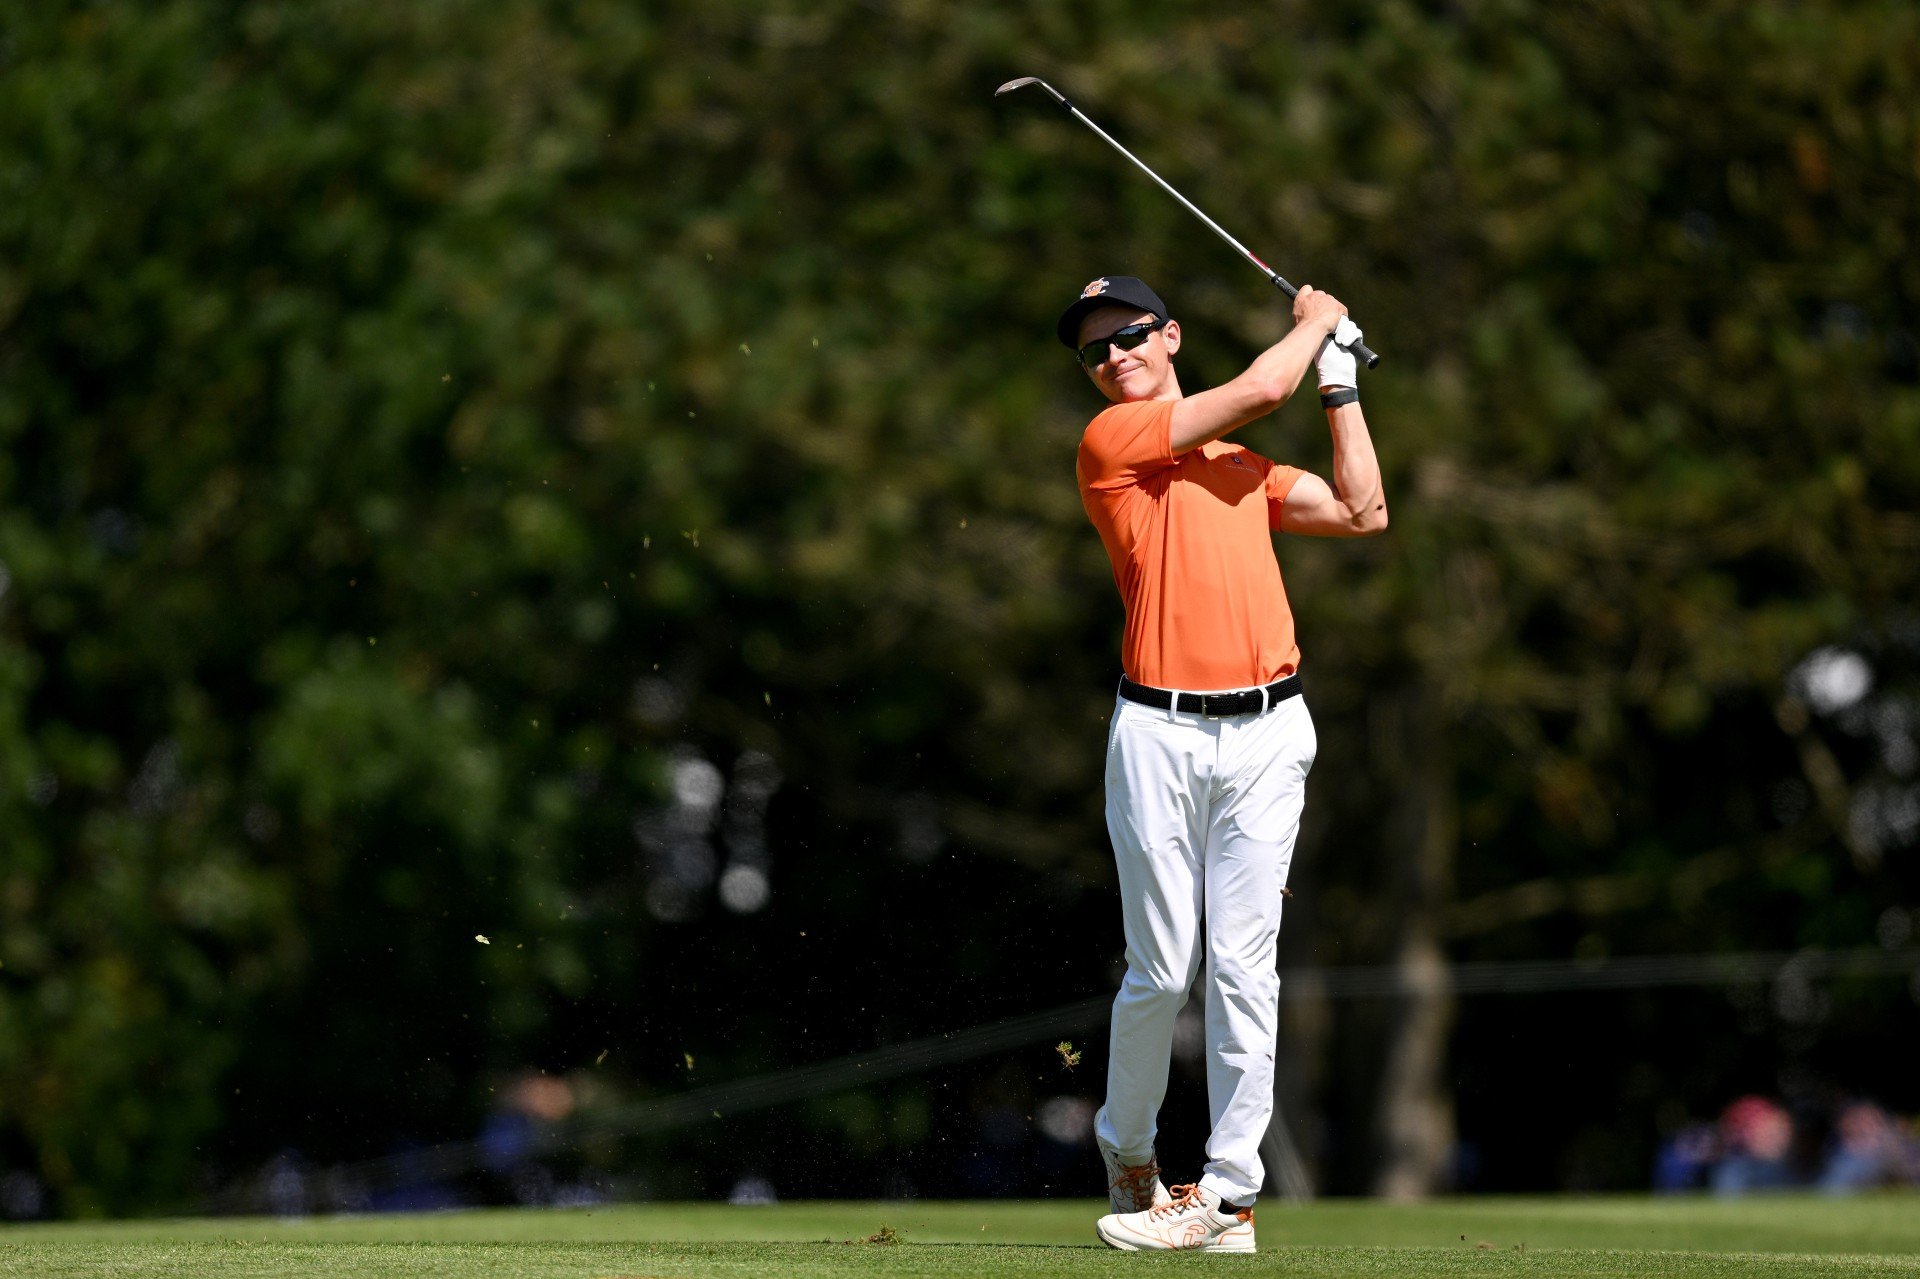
[[1137, 1179], [1184, 1197]]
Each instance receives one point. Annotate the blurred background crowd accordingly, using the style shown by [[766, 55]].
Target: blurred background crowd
[[1759, 1144]]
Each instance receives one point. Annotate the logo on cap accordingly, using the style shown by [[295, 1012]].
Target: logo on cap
[[1094, 290]]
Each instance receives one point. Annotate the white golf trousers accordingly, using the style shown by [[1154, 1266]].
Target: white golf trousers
[[1203, 814]]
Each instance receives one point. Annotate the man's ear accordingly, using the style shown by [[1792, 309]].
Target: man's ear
[[1172, 335]]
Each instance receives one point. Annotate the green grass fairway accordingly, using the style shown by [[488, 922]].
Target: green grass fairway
[[1783, 1237]]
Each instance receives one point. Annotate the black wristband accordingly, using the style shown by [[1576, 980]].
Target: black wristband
[[1344, 395]]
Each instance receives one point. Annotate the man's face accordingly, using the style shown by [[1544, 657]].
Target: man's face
[[1139, 374]]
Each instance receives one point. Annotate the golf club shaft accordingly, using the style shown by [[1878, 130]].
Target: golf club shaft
[[1359, 349]]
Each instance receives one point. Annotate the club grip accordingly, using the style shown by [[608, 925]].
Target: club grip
[[1361, 351]]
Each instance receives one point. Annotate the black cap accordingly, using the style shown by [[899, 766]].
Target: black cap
[[1108, 290]]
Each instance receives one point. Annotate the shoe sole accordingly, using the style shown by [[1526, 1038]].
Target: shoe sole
[[1127, 1245]]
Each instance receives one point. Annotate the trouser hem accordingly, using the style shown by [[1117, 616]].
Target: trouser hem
[[1228, 1192]]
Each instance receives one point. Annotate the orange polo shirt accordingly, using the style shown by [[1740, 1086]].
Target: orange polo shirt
[[1192, 553]]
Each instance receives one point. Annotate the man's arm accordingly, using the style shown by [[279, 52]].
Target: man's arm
[[1354, 505], [1268, 381]]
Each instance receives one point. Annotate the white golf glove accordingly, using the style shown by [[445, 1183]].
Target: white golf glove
[[1336, 364]]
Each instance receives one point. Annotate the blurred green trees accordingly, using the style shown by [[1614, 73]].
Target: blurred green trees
[[435, 434]]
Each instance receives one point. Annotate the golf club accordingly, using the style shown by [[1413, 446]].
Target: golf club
[[1359, 349]]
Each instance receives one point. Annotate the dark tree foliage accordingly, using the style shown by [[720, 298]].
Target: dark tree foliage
[[598, 477]]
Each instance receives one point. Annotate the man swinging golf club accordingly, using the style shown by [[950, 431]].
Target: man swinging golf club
[[1210, 743]]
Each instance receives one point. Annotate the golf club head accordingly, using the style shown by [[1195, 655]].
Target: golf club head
[[1026, 80]]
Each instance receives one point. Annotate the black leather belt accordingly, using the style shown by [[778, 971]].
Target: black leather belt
[[1213, 705]]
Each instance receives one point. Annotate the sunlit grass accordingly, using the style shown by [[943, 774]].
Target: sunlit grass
[[1785, 1236]]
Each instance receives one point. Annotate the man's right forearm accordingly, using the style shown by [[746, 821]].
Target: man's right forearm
[[1273, 376], [1281, 366]]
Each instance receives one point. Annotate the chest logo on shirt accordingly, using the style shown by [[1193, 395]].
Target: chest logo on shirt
[[1236, 459]]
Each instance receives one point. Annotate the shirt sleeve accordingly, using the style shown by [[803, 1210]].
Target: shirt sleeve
[[1280, 482], [1127, 443]]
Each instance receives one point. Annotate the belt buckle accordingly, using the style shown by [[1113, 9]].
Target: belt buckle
[[1206, 701]]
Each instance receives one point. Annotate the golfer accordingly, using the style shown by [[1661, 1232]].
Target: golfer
[[1210, 743]]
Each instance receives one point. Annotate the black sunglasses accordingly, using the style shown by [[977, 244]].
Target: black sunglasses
[[1094, 353]]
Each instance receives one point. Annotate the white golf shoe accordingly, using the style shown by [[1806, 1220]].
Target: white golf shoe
[[1191, 1221], [1132, 1187]]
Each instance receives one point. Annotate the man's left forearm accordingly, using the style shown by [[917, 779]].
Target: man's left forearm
[[1356, 471]]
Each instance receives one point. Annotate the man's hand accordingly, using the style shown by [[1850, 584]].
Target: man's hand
[[1337, 365], [1312, 307]]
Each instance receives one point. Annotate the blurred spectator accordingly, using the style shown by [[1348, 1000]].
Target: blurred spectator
[[412, 1182], [1064, 1157], [283, 1185], [1756, 1135], [527, 1111], [1866, 1150], [751, 1190], [22, 1197], [1686, 1159], [1909, 1171]]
